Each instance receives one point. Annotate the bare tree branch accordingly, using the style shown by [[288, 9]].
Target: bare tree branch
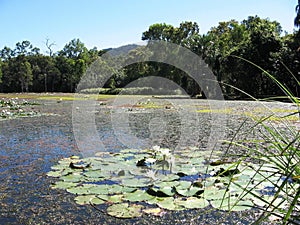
[[49, 46]]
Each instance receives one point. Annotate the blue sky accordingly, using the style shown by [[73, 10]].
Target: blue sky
[[112, 23]]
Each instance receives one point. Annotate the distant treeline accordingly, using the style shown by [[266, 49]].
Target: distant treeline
[[223, 48]]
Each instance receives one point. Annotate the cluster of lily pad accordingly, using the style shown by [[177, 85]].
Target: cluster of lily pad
[[11, 108], [132, 182]]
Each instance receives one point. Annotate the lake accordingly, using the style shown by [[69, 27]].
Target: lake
[[30, 146]]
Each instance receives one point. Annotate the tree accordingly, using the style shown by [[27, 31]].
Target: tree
[[49, 47], [76, 61], [6, 53], [75, 49], [1, 71], [45, 73], [254, 39], [297, 18], [23, 48], [186, 35], [182, 35], [23, 72]]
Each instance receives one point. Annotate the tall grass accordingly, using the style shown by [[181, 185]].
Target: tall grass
[[278, 154]]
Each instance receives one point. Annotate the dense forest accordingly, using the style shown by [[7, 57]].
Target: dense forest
[[223, 48]]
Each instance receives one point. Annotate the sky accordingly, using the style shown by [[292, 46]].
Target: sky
[[113, 23]]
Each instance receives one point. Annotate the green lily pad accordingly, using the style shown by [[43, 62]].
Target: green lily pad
[[72, 178], [169, 191], [124, 210], [115, 198], [142, 182], [183, 185], [169, 177], [78, 190], [99, 189], [95, 174], [63, 185], [116, 189], [103, 197], [197, 160], [54, 173], [66, 161], [154, 211], [128, 189], [193, 203], [155, 200], [169, 203], [59, 167], [231, 204], [278, 202], [161, 184], [137, 196], [97, 201], [84, 199], [214, 193], [67, 171], [191, 191], [188, 169], [129, 181], [88, 199]]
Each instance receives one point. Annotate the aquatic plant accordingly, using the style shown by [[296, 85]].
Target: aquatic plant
[[196, 181], [278, 152]]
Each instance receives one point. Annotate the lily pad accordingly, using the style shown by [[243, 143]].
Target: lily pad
[[183, 185], [143, 182], [193, 203], [137, 196], [99, 189], [124, 210], [97, 201], [115, 178], [154, 211], [191, 191], [231, 204], [214, 193], [85, 199], [63, 185], [115, 189], [115, 198], [95, 174], [58, 167], [169, 203], [169, 177], [169, 191], [78, 190], [54, 173], [72, 178]]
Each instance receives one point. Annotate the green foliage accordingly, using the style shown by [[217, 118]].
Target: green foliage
[[258, 40], [297, 18], [197, 179], [279, 153]]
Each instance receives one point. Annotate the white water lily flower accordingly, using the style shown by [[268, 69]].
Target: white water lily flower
[[165, 151], [151, 174], [150, 160], [156, 148]]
